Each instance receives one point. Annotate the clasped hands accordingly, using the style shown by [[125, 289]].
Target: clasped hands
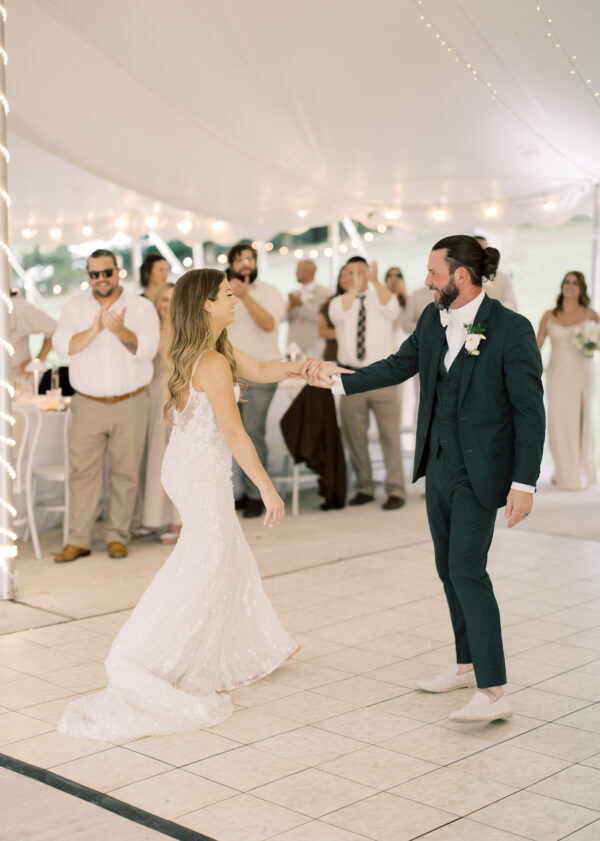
[[318, 373], [113, 321]]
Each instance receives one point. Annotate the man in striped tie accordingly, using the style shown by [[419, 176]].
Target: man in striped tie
[[364, 318]]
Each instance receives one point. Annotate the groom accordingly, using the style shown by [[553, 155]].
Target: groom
[[480, 436]]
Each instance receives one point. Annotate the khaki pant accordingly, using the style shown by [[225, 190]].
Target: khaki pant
[[354, 411], [97, 427]]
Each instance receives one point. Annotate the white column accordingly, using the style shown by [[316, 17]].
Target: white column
[[8, 549], [198, 255], [595, 272], [334, 241]]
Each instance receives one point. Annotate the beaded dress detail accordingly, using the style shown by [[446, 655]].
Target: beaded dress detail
[[205, 624]]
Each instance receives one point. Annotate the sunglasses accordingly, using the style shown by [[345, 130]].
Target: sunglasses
[[106, 273]]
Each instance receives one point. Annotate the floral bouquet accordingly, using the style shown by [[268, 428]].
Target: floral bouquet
[[587, 337]]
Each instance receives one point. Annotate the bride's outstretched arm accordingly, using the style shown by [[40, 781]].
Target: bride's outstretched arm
[[213, 376], [272, 372]]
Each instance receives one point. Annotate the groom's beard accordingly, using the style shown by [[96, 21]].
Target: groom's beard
[[448, 295]]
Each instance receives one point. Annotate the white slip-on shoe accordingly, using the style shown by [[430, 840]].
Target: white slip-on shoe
[[447, 681], [480, 708]]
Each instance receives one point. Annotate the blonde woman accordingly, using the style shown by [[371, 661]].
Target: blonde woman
[[158, 510], [204, 625]]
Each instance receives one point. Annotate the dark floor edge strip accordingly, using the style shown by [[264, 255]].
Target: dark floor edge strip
[[104, 801]]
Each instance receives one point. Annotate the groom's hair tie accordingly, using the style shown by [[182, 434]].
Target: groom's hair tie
[[466, 251]]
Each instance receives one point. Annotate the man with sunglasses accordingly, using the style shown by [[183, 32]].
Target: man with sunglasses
[[111, 338]]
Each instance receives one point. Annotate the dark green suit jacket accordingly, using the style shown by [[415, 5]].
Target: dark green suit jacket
[[501, 419]]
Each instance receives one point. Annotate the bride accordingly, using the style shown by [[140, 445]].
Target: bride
[[205, 624]]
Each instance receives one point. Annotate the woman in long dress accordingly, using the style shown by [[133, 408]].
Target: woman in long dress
[[204, 625], [570, 386]]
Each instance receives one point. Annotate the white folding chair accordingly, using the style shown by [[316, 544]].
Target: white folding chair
[[30, 417], [56, 473]]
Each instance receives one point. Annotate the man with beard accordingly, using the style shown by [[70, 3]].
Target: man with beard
[[111, 338], [480, 436], [255, 331]]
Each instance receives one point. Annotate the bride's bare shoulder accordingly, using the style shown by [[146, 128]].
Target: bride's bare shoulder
[[212, 367]]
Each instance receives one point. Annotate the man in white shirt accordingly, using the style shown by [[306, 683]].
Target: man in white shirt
[[254, 331], [111, 338], [25, 321], [500, 287], [304, 305], [364, 321]]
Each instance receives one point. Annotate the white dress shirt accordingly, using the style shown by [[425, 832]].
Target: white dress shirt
[[25, 321], [379, 336], [245, 333], [105, 368]]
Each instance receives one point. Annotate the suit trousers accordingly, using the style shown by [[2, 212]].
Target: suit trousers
[[462, 531], [96, 427], [254, 408], [354, 411]]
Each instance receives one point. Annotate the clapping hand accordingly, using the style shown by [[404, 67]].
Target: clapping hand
[[373, 272], [113, 321]]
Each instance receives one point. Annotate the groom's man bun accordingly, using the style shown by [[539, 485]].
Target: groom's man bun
[[462, 250]]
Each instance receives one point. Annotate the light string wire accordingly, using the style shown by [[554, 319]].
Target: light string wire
[[428, 23], [8, 550], [574, 71]]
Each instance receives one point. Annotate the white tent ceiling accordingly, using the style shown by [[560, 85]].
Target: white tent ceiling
[[250, 112]]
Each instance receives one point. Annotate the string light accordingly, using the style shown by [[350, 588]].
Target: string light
[[381, 229], [151, 222], [574, 71], [222, 258], [343, 248], [298, 253], [283, 250], [313, 253], [391, 214], [495, 95], [121, 221], [269, 246], [368, 236], [87, 230], [328, 252], [302, 213], [55, 234], [219, 225], [439, 214], [185, 226], [491, 210]]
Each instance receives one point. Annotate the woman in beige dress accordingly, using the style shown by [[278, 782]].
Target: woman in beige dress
[[570, 387], [159, 511]]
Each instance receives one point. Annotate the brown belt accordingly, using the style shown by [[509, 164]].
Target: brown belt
[[116, 399]]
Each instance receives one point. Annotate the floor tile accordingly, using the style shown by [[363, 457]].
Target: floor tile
[[62, 634], [42, 661], [557, 654], [560, 741], [378, 767], [467, 830], [251, 725], [314, 792], [242, 818], [14, 727], [536, 817], [50, 749], [511, 765], [423, 706], [575, 684], [585, 719], [306, 707], [577, 784], [49, 711], [317, 831], [7, 675], [360, 689], [244, 768], [354, 660], [452, 790], [111, 769], [260, 692], [309, 745], [591, 832], [182, 748], [369, 725], [435, 744], [386, 817], [304, 675], [545, 705], [29, 691], [172, 794], [82, 678]]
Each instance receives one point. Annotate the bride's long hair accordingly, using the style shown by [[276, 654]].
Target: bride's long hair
[[192, 333]]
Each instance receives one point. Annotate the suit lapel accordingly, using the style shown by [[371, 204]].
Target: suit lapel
[[482, 317]]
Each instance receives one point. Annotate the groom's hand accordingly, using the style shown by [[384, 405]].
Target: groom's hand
[[518, 506], [319, 373]]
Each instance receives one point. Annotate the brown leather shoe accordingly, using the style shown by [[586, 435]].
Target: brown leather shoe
[[393, 502], [361, 499], [117, 550], [70, 553]]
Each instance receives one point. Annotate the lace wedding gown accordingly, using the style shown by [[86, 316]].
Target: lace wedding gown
[[205, 624]]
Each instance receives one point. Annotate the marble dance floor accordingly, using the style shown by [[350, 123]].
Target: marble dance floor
[[336, 745]]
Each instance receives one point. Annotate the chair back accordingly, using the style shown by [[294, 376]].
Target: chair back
[[27, 433]]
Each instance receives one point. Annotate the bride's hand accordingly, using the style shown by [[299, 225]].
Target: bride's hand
[[275, 507]]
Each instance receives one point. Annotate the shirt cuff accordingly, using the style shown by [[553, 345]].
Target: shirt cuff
[[337, 387], [519, 486]]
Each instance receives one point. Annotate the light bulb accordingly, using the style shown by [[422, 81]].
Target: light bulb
[[87, 231], [185, 226], [302, 213], [219, 225], [491, 211], [55, 234], [151, 222]]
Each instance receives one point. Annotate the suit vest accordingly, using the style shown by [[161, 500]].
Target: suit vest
[[444, 422]]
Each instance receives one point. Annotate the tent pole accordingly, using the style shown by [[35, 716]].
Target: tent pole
[[136, 245], [8, 549], [595, 273], [352, 232], [198, 255], [334, 240]]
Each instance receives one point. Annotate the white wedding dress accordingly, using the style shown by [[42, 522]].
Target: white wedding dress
[[205, 624]]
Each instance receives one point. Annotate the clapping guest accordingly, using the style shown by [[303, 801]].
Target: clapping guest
[[258, 316], [325, 325], [111, 337], [394, 280], [570, 386], [363, 318], [159, 511], [154, 272], [304, 305]]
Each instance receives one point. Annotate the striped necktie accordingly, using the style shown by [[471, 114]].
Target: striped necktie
[[361, 330]]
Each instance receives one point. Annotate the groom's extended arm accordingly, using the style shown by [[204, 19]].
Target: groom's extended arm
[[523, 378], [395, 369]]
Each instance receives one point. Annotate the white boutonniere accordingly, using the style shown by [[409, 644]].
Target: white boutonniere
[[475, 335]]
